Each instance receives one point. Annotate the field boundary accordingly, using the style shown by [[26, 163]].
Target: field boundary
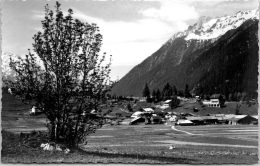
[[205, 144], [173, 127]]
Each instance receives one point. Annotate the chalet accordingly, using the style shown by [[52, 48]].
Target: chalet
[[142, 99], [136, 114], [234, 120], [148, 109], [164, 106], [197, 98], [201, 120], [255, 116], [213, 102], [248, 120], [35, 111], [196, 120], [155, 119], [184, 122], [167, 101], [171, 117], [137, 120]]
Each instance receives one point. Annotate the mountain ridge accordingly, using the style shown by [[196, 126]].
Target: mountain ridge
[[169, 63]]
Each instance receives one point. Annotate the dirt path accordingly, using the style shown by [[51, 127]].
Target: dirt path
[[173, 127], [204, 144]]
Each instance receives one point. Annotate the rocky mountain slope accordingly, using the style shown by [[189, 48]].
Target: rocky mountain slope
[[218, 55]]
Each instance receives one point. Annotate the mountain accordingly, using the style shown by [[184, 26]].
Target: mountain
[[217, 55], [7, 73]]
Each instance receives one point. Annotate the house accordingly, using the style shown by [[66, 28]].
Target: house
[[233, 120], [164, 106], [148, 109], [10, 91], [156, 119], [142, 99], [141, 117], [171, 118], [255, 116], [213, 102], [196, 120], [248, 120], [184, 122], [201, 120], [197, 98], [35, 111], [210, 120], [136, 114], [167, 101], [222, 118], [137, 120]]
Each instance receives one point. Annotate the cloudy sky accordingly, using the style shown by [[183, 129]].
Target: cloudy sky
[[132, 30]]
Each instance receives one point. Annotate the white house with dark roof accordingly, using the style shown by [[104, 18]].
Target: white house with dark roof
[[213, 102]]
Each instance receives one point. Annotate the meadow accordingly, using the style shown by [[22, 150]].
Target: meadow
[[132, 144]]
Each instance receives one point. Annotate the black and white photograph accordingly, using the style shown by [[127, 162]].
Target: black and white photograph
[[129, 82]]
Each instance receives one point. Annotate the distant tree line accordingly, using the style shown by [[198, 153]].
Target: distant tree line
[[168, 92], [239, 95]]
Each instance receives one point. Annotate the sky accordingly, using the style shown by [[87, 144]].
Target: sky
[[132, 29]]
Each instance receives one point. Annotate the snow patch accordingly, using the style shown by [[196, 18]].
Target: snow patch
[[217, 27]]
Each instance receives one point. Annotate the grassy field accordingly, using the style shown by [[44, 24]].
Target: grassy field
[[147, 144], [230, 108]]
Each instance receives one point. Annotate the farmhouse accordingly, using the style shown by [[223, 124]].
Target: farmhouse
[[197, 98], [137, 120], [255, 116], [171, 117], [148, 109], [35, 111], [213, 102], [167, 101], [248, 120], [184, 122], [164, 106], [234, 119], [136, 114], [196, 120], [155, 119], [200, 120]]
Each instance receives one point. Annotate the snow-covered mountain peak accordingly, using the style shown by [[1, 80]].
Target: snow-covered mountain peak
[[6, 70], [206, 28]]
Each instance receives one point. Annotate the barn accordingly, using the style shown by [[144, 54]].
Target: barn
[[248, 120]]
